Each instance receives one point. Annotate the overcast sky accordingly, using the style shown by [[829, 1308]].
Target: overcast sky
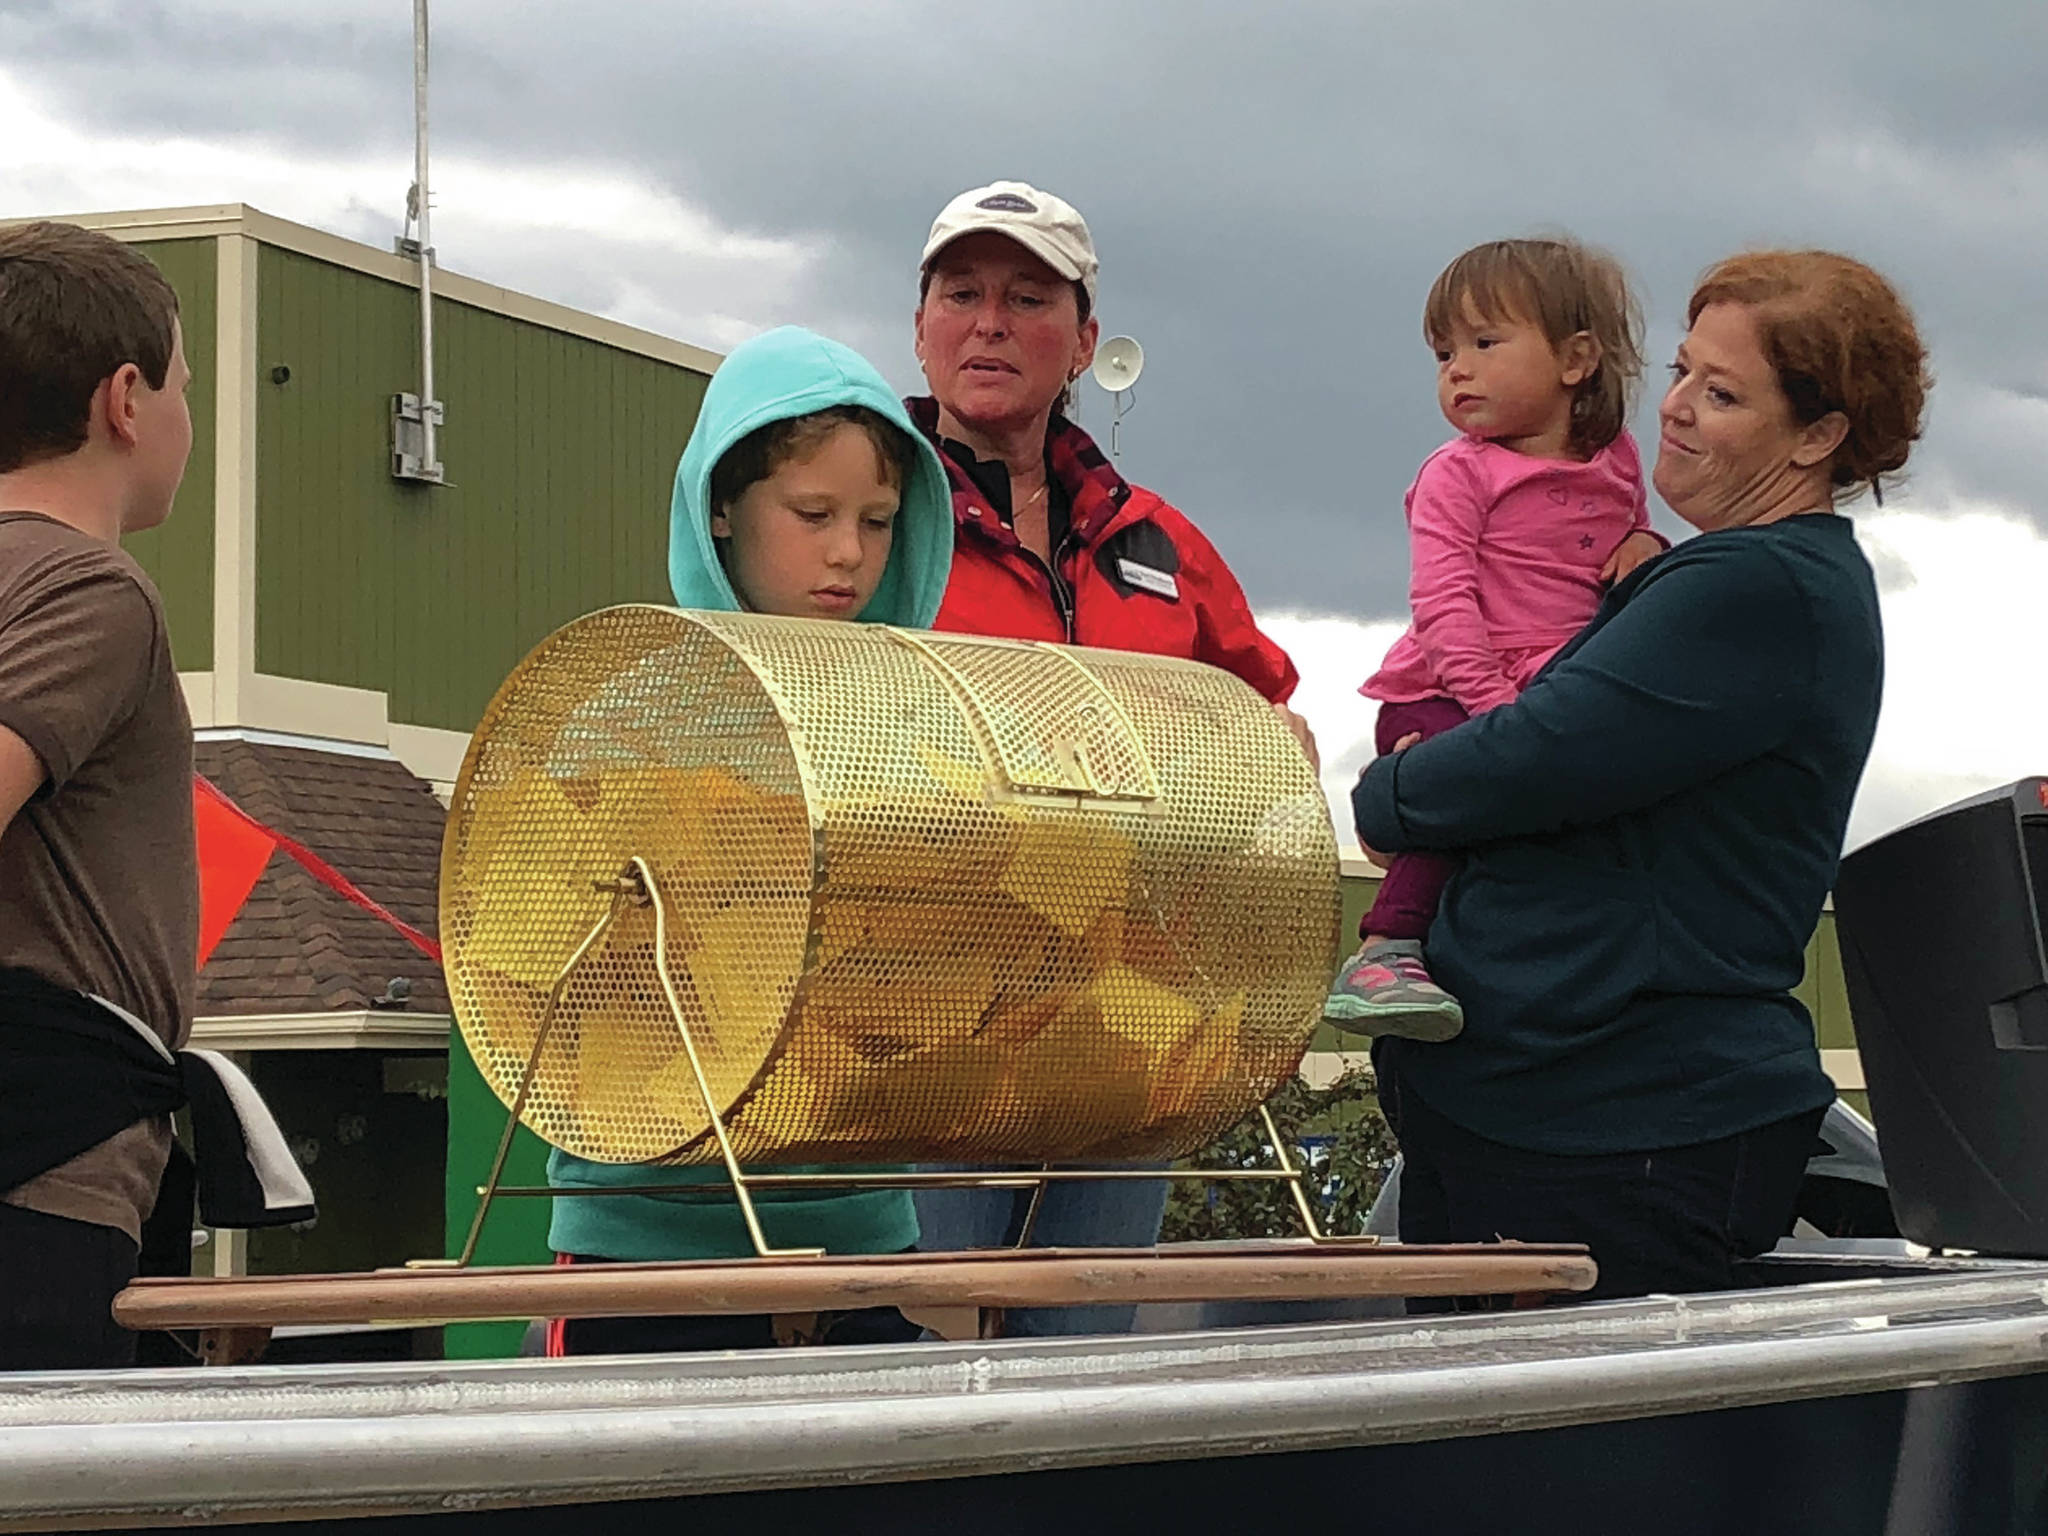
[[1272, 188]]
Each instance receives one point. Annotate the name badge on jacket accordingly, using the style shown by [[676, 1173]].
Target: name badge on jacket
[[1146, 579]]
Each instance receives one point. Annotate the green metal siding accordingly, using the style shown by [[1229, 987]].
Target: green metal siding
[[179, 555], [559, 451], [1825, 992]]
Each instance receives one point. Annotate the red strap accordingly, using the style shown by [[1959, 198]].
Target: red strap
[[327, 874], [557, 1335]]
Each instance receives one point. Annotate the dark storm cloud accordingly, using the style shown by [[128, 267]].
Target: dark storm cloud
[[1272, 188]]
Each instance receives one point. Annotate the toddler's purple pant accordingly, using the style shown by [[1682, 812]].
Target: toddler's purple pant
[[1414, 882]]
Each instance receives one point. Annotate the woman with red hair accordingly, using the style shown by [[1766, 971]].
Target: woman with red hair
[[1650, 830]]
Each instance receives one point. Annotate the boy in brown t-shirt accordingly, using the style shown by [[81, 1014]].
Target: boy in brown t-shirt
[[99, 888]]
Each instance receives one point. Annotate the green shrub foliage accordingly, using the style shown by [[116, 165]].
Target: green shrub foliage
[[1335, 1133]]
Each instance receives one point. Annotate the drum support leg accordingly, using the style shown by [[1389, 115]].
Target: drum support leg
[[1031, 1210], [1302, 1208], [637, 870], [621, 894]]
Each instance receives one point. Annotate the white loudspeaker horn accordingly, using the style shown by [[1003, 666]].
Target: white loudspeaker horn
[[1118, 362]]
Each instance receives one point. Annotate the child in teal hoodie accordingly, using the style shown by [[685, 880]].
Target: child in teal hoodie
[[804, 491]]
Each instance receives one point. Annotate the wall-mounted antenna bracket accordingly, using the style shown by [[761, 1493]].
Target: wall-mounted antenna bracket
[[416, 419], [413, 438]]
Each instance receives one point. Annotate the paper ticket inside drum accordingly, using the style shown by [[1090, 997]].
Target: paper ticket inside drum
[[928, 896]]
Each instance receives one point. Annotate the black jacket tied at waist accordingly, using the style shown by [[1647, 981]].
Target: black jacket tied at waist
[[75, 1070]]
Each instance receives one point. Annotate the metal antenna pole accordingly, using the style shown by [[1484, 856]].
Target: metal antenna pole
[[430, 458]]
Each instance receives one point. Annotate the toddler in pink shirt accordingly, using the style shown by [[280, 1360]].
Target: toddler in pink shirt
[[1515, 529]]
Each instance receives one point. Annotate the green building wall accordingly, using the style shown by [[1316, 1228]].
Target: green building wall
[[179, 554], [559, 454]]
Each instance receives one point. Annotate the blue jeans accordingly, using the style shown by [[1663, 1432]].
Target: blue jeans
[[1112, 1213]]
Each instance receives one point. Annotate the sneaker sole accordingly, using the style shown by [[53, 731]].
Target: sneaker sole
[[1356, 1016], [1425, 1027], [1342, 1005]]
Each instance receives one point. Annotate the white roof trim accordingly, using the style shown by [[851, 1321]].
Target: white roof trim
[[363, 1030], [288, 739]]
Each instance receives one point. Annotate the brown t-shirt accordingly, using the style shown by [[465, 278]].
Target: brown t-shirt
[[99, 875]]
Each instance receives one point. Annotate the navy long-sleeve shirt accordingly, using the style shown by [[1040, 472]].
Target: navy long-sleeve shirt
[[1650, 832]]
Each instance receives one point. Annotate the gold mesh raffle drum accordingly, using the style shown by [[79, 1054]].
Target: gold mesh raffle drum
[[925, 897], [719, 888]]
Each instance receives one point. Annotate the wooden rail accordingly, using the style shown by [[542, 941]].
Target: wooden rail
[[987, 1279]]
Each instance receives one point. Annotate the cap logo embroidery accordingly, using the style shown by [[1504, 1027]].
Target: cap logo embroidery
[[1008, 202]]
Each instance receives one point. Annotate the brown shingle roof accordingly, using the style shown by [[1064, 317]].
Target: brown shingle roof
[[297, 947]]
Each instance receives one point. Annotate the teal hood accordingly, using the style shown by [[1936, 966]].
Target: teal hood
[[793, 372]]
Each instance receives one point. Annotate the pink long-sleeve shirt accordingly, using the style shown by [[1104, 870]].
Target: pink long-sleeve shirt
[[1505, 556]]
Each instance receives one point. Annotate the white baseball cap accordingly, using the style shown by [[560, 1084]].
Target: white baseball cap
[[1046, 226]]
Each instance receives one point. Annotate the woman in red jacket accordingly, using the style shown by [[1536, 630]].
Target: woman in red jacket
[[1051, 543]]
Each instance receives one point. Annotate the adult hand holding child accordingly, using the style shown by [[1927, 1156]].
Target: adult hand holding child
[[1373, 856]]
